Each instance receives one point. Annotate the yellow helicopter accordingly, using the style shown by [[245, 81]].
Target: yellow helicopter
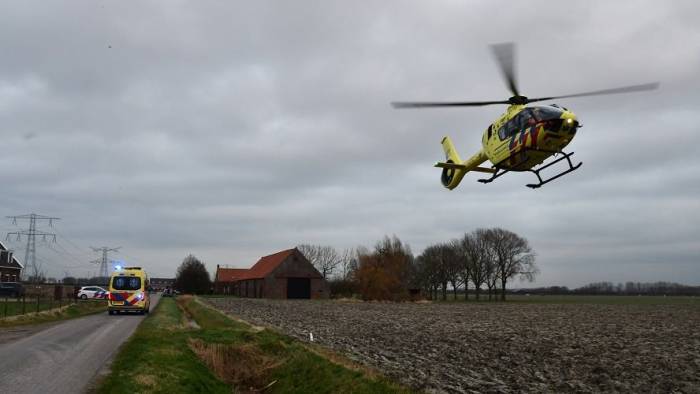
[[523, 137]]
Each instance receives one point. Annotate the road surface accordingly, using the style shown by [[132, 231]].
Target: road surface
[[64, 357]]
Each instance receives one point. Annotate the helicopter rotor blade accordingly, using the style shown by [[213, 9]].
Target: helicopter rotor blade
[[624, 89], [505, 56], [418, 104]]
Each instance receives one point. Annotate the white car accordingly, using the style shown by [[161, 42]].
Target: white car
[[87, 292]]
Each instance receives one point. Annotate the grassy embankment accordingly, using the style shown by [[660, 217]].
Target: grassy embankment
[[170, 354], [78, 309]]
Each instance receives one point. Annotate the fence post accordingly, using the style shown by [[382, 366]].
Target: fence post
[[24, 304], [5, 306], [38, 297]]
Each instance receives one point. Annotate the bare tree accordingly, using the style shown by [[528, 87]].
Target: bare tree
[[464, 265], [513, 256], [491, 274], [476, 253], [424, 274], [490, 264], [324, 258], [452, 262], [432, 269], [348, 263]]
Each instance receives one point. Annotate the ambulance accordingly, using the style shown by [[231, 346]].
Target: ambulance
[[128, 291]]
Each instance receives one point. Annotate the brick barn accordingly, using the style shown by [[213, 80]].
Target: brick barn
[[10, 268], [283, 275], [225, 279]]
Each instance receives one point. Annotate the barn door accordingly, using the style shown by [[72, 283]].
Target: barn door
[[298, 288]]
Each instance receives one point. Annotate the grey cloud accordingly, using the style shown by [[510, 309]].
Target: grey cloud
[[231, 130]]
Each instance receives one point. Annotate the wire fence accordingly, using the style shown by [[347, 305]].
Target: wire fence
[[14, 306]]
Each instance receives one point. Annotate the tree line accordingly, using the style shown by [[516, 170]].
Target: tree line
[[610, 288], [483, 260]]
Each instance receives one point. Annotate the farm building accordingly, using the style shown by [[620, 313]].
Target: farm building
[[285, 274], [10, 268], [159, 284], [225, 279]]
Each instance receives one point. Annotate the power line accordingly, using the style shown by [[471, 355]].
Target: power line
[[76, 247], [65, 254]]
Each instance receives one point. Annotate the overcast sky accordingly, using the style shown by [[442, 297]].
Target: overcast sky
[[231, 130]]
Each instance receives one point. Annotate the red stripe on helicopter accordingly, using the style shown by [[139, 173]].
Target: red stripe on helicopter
[[534, 133], [511, 145]]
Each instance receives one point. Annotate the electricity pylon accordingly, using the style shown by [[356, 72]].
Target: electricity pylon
[[104, 272], [31, 233]]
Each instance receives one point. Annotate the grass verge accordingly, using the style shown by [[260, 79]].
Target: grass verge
[[169, 354], [80, 308]]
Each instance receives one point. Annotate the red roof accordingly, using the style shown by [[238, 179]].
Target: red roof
[[267, 264], [229, 274]]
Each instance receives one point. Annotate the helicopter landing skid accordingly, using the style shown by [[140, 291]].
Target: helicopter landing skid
[[572, 168], [565, 156], [499, 172]]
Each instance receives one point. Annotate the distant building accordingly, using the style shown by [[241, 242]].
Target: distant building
[[10, 268], [225, 279], [286, 275], [159, 284]]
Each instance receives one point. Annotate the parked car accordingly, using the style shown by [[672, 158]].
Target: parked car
[[11, 289], [86, 292], [168, 292]]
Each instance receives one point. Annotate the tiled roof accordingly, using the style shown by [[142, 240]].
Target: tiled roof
[[229, 274], [14, 263], [267, 264]]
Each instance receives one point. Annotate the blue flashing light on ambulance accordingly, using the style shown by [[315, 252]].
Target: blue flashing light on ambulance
[[128, 291]]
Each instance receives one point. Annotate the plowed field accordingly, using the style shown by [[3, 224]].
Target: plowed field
[[492, 347]]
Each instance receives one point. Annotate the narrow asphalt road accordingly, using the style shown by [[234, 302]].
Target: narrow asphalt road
[[65, 357]]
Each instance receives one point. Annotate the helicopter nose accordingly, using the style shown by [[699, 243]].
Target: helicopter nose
[[569, 122]]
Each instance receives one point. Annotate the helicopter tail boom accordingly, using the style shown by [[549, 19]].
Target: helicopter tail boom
[[465, 168], [454, 169]]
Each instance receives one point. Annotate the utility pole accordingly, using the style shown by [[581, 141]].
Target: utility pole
[[31, 233], [104, 272]]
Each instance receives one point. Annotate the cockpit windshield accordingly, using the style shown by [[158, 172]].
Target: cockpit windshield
[[546, 113]]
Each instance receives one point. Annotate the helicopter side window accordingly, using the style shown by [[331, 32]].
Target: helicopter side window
[[517, 123], [502, 133], [510, 128]]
